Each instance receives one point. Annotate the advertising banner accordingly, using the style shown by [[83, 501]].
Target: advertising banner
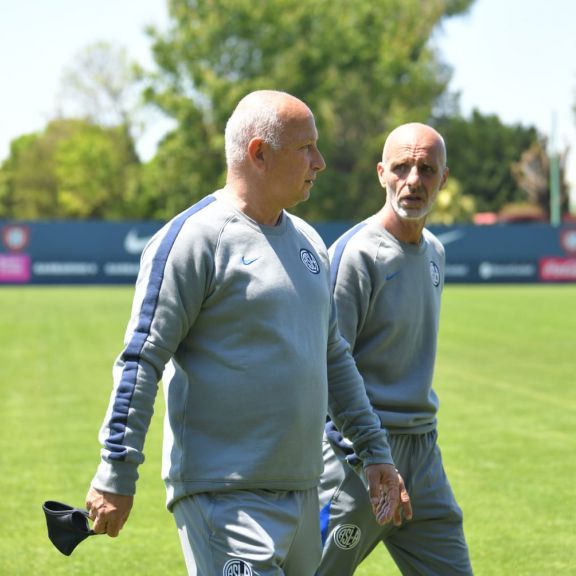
[[93, 252], [72, 252]]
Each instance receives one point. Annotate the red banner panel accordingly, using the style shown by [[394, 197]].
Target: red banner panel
[[558, 269]]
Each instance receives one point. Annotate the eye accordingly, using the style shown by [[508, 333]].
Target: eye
[[400, 168]]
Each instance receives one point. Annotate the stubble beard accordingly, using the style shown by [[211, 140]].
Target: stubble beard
[[409, 213]]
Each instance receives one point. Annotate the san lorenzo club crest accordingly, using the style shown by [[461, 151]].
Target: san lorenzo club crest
[[236, 567], [347, 536], [309, 261]]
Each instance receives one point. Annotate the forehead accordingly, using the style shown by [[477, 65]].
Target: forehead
[[299, 129], [417, 146]]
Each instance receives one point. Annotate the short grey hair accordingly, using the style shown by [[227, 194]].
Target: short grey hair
[[260, 120]]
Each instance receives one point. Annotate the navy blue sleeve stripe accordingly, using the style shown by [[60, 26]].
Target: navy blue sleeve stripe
[[339, 250], [131, 354]]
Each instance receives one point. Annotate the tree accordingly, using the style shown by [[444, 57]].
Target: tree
[[95, 171], [84, 164], [73, 169], [481, 154], [30, 188], [452, 206], [100, 86], [532, 172], [362, 66]]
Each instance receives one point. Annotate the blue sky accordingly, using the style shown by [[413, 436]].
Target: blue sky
[[39, 39], [517, 59], [514, 58]]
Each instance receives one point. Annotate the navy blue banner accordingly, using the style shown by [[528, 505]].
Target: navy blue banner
[[73, 252], [91, 252]]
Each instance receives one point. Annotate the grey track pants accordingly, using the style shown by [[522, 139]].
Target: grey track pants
[[431, 544]]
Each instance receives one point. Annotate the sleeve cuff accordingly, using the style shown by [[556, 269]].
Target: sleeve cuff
[[117, 478]]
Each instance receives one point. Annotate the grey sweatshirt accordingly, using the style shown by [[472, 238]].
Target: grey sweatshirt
[[239, 321], [388, 300]]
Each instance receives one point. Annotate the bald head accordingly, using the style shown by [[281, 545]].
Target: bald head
[[261, 114], [277, 100], [414, 135]]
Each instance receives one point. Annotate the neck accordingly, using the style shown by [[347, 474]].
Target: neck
[[403, 229], [251, 202]]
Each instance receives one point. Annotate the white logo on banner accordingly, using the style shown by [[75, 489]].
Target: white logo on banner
[[134, 244]]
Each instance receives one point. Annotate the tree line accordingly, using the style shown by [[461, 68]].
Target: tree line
[[363, 66]]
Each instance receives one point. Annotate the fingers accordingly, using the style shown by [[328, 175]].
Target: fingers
[[108, 511], [99, 524], [107, 523], [405, 503], [389, 507], [388, 495], [375, 491], [383, 490]]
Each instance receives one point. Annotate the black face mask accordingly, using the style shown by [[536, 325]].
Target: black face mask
[[67, 526]]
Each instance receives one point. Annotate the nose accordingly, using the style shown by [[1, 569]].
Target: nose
[[318, 162], [413, 176]]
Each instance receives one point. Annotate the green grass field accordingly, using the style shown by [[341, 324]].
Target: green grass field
[[506, 379]]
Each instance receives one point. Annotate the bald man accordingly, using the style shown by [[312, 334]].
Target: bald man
[[387, 278], [233, 308]]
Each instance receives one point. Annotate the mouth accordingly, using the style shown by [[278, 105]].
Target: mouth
[[412, 200]]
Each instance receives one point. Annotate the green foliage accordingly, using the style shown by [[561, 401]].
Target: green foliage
[[90, 173], [481, 154], [84, 164], [100, 86], [74, 169], [362, 66], [504, 376], [452, 206], [30, 187]]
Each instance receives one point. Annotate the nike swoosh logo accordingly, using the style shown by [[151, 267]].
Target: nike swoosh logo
[[248, 261], [134, 244], [392, 275], [449, 237]]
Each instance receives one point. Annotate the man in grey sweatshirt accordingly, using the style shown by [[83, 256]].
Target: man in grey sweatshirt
[[387, 277], [233, 310]]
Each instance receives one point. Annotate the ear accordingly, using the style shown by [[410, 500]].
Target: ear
[[444, 178], [256, 151], [381, 174]]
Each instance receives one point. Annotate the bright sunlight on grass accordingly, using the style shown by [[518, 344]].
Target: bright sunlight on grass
[[505, 376]]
